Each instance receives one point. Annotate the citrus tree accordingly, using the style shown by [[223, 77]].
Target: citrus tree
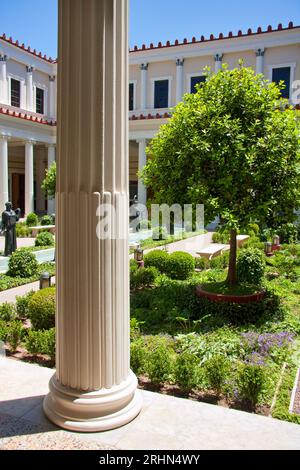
[[49, 183], [232, 146]]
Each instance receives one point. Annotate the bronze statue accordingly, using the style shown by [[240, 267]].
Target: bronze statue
[[8, 227]]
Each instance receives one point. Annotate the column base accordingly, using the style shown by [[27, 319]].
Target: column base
[[98, 411]]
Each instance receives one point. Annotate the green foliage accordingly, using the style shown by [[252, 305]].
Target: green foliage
[[14, 334], [8, 282], [282, 405], [157, 259], [44, 239], [41, 342], [22, 305], [159, 360], [22, 230], [143, 277], [49, 183], [22, 263], [7, 311], [216, 371], [288, 233], [160, 233], [3, 330], [186, 370], [46, 220], [201, 263], [32, 220], [250, 382], [42, 309], [220, 262], [221, 237], [145, 224], [180, 265], [251, 266], [138, 356], [253, 230]]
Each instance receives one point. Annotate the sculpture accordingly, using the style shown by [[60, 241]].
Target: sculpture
[[8, 227]]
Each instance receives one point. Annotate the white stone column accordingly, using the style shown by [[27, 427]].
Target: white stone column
[[179, 79], [3, 80], [40, 175], [218, 62], [51, 160], [142, 190], [52, 97], [29, 88], [29, 178], [3, 172], [93, 388], [144, 85], [260, 62]]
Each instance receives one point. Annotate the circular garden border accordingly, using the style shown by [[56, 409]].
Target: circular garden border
[[236, 299]]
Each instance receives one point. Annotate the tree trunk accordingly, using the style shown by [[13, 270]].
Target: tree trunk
[[232, 276]]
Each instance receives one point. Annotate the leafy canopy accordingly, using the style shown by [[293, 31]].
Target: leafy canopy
[[230, 147], [49, 183]]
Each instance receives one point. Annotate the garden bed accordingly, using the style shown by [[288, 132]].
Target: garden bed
[[238, 296]]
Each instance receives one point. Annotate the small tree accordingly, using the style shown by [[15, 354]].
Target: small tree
[[230, 147], [49, 183]]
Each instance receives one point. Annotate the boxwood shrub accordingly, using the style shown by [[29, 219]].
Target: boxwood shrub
[[46, 220], [22, 263], [251, 266], [157, 259], [143, 277], [41, 342], [7, 311], [44, 239], [180, 265], [42, 309], [32, 220]]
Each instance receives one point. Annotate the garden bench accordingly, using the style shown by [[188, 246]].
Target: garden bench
[[241, 239], [213, 250], [40, 228]]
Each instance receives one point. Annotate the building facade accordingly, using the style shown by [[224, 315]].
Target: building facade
[[159, 77]]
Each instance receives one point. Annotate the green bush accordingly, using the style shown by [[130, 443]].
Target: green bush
[[133, 266], [157, 259], [201, 263], [41, 342], [143, 277], [253, 230], [250, 382], [186, 370], [159, 233], [180, 265], [7, 312], [42, 309], [288, 233], [3, 330], [22, 305], [46, 220], [222, 236], [251, 266], [145, 224], [32, 220], [44, 239], [159, 364], [216, 372], [138, 356], [22, 230], [14, 334], [220, 262], [22, 263], [217, 237]]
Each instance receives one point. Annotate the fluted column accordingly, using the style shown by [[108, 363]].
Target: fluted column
[[3, 172], [179, 79], [93, 388], [29, 177], [3, 80], [142, 190], [144, 85], [29, 89], [218, 62], [260, 56], [51, 160], [52, 97]]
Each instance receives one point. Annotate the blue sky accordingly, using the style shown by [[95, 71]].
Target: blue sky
[[34, 22]]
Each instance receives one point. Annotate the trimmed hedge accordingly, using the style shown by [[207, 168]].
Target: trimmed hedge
[[42, 309], [180, 265], [143, 277], [22, 263], [157, 259], [251, 266], [44, 239], [46, 220], [32, 220], [41, 342]]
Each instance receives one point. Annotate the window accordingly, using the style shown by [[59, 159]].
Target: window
[[39, 101], [131, 96], [15, 93], [161, 94], [195, 81], [283, 74]]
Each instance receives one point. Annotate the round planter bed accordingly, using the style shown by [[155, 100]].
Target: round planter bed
[[230, 298]]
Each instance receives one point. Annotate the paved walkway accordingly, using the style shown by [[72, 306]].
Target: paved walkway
[[164, 423], [21, 242], [11, 294]]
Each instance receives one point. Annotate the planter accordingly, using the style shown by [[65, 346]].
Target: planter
[[230, 298]]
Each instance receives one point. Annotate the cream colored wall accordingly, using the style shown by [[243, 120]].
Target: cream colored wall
[[283, 55], [232, 59], [195, 66], [156, 71]]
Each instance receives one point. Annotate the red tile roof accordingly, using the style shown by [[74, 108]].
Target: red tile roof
[[27, 49], [27, 117]]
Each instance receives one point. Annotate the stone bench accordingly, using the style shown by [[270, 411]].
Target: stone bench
[[40, 228], [211, 251]]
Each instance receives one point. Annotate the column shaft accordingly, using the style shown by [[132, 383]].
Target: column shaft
[[52, 97], [218, 62], [260, 62], [179, 79], [29, 178], [144, 85], [51, 160], [142, 190], [3, 172], [93, 389], [3, 80]]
